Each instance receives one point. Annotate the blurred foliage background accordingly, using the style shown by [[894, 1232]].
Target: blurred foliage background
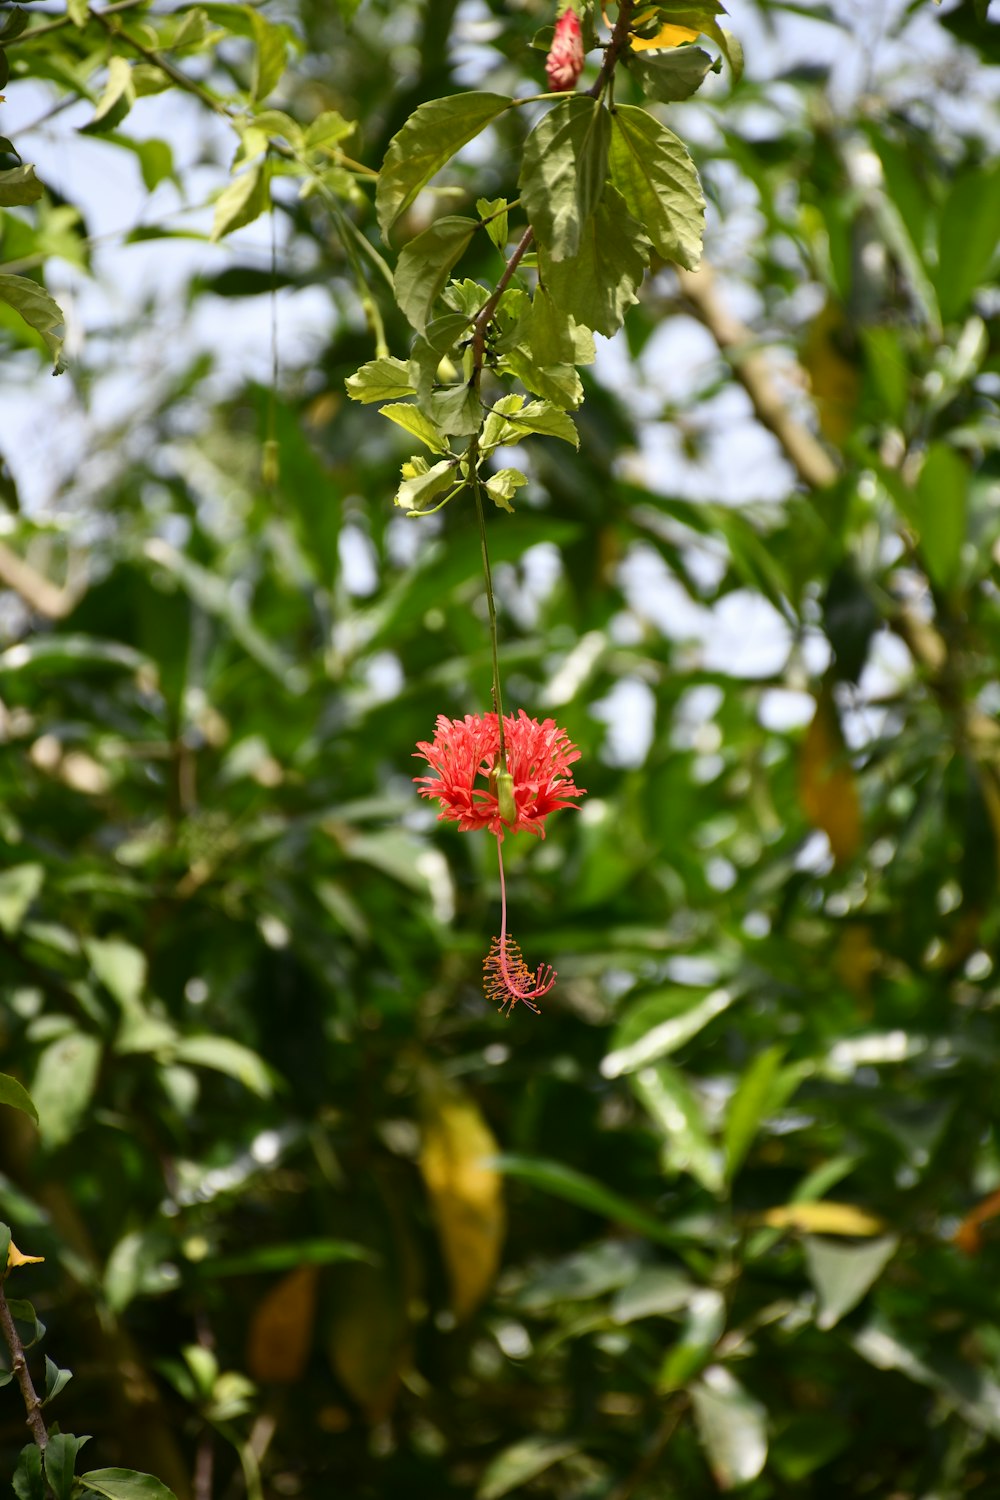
[[313, 1215]]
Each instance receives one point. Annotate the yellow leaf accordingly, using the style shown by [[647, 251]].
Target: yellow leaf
[[465, 1194], [281, 1329], [833, 375], [667, 36], [823, 1218], [16, 1258], [827, 789], [369, 1341]]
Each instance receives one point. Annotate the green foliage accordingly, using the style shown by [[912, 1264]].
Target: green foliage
[[724, 1215]]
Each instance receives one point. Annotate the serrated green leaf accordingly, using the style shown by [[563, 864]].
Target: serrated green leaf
[[520, 421], [328, 129], [655, 175], [40, 311], [502, 487], [670, 76], [125, 1484], [115, 101], [424, 484], [417, 423], [430, 137], [19, 186], [425, 264], [380, 380], [16, 1096], [244, 200], [18, 888], [549, 331], [563, 172], [558, 384], [731, 46], [599, 283], [269, 55], [457, 411]]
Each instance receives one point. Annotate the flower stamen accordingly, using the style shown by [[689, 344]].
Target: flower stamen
[[507, 978]]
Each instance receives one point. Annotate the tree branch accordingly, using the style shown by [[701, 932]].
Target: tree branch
[[38, 593], [752, 369], [22, 1374]]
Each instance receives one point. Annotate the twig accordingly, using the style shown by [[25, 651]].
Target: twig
[[38, 593], [19, 1365], [651, 1457], [752, 369]]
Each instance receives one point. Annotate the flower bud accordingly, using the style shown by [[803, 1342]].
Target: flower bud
[[564, 63]]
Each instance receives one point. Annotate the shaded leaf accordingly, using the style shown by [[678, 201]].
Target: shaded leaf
[[19, 885], [19, 186], [598, 284], [245, 199], [563, 172], [125, 1484], [425, 264], [575, 1187], [64, 1083], [521, 1462], [941, 512], [59, 1462], [670, 76], [40, 311]]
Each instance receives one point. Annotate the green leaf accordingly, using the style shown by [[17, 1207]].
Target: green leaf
[[966, 1387], [270, 49], [416, 423], [521, 1462], [115, 101], [493, 213], [599, 283], [731, 1426], [575, 1187], [120, 968], [328, 129], [543, 420], [23, 1311], [655, 175], [323, 1252], [842, 1274], [457, 411], [968, 238], [383, 379], [425, 265], [19, 186], [502, 487], [655, 1292], [64, 1083], [675, 1108], [659, 1024], [125, 1484], [16, 1096], [560, 385], [4, 1245], [78, 12], [16, 19], [430, 137], [563, 172], [670, 76], [751, 1101], [703, 1326], [942, 502], [40, 311], [60, 1461], [56, 1380], [244, 200], [225, 1055], [18, 888], [29, 1481], [424, 484], [550, 332]]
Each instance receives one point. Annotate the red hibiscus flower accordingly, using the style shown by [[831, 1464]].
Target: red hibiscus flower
[[564, 63], [465, 753]]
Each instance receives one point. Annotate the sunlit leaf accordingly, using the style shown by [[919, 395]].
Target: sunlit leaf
[[430, 137], [563, 172]]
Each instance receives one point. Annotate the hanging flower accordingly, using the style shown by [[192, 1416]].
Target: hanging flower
[[564, 63], [465, 756]]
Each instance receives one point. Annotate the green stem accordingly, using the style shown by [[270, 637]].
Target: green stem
[[472, 459]]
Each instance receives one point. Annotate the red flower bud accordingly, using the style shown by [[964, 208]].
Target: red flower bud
[[564, 63]]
